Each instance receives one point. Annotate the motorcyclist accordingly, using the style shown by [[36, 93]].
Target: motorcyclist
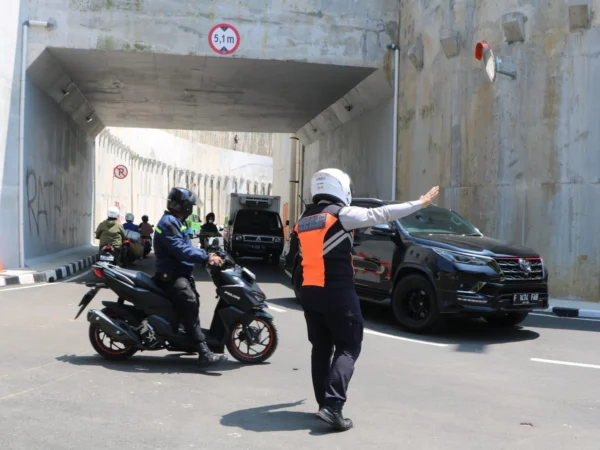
[[175, 259], [129, 225], [146, 231], [111, 232], [208, 230], [331, 306]]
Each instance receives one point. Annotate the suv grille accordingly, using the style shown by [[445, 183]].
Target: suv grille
[[258, 238], [521, 268]]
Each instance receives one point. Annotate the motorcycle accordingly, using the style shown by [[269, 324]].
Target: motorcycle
[[147, 243], [148, 322], [108, 254]]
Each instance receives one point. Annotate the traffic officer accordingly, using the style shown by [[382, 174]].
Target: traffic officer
[[175, 260], [331, 306]]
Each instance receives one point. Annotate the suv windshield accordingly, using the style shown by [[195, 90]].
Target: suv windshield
[[437, 220], [257, 222]]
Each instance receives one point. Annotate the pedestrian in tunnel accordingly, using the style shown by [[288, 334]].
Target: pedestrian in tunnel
[[331, 307], [111, 232], [175, 260]]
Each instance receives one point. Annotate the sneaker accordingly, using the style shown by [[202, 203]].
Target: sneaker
[[334, 418]]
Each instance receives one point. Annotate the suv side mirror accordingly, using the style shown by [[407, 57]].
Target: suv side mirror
[[220, 228]]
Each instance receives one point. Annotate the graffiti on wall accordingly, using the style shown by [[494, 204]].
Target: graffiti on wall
[[53, 209]]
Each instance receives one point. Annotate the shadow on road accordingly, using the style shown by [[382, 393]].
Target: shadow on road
[[270, 418], [466, 335], [169, 364]]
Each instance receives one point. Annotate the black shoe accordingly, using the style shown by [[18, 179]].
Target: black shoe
[[207, 358], [334, 418]]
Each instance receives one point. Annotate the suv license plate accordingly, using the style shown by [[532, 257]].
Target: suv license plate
[[525, 299], [258, 247]]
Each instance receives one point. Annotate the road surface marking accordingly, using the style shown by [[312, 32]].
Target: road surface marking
[[565, 363], [29, 287], [568, 318], [276, 309], [17, 394], [87, 272], [416, 341], [28, 370]]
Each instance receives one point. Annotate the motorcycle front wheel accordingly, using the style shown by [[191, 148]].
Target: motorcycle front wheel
[[255, 343]]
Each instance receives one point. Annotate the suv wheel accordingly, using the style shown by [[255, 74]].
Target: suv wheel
[[415, 306], [507, 320]]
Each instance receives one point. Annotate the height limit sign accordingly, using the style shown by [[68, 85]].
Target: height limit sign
[[224, 39]]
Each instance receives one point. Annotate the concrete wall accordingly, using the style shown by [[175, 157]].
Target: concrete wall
[[362, 148], [9, 125], [519, 158], [58, 179], [256, 143], [157, 161]]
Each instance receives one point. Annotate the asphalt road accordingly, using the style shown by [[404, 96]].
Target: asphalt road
[[469, 387]]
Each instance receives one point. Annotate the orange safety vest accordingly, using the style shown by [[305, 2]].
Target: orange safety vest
[[325, 247]]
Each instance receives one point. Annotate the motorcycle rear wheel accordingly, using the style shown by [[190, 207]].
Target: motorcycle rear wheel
[[265, 334], [105, 346]]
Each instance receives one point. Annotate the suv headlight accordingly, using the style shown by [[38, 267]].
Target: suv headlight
[[463, 258], [237, 237], [278, 240]]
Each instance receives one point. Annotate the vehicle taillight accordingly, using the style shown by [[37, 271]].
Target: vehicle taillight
[[127, 241], [98, 273]]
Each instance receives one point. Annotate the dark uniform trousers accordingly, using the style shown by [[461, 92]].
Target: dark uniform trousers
[[182, 292], [335, 329]]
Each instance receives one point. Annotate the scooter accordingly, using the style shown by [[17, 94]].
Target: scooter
[[147, 243], [148, 321], [108, 254]]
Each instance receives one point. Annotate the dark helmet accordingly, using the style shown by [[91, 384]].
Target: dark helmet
[[144, 218], [210, 215], [181, 200]]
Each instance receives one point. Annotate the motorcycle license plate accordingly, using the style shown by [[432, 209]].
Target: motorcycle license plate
[[86, 300], [109, 258]]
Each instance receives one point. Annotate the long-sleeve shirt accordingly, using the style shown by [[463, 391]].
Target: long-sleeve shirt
[[352, 217]]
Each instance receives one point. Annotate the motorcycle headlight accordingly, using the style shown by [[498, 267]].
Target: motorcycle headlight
[[462, 258]]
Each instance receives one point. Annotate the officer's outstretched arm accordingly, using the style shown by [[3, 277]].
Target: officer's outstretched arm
[[181, 249], [352, 217]]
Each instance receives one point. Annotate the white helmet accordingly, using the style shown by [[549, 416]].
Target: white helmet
[[332, 183], [113, 212], [129, 217]]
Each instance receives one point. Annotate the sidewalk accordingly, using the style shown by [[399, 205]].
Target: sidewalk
[[574, 308], [51, 268]]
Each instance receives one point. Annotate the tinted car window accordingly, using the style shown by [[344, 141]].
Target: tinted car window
[[254, 222], [436, 220]]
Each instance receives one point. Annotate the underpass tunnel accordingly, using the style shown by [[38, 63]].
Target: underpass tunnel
[[81, 102]]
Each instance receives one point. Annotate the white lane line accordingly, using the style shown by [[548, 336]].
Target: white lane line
[[276, 309], [391, 336], [565, 363], [87, 272], [568, 318], [29, 287]]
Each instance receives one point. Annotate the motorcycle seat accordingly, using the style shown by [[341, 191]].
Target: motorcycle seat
[[142, 280]]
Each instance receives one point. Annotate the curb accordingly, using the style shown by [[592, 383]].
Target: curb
[[50, 276], [563, 311]]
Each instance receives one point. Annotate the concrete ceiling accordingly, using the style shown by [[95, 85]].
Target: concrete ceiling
[[146, 90]]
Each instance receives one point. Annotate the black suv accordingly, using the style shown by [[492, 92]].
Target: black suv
[[255, 233], [434, 263]]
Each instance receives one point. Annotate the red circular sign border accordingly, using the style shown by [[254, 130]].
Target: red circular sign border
[[115, 170], [237, 35]]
